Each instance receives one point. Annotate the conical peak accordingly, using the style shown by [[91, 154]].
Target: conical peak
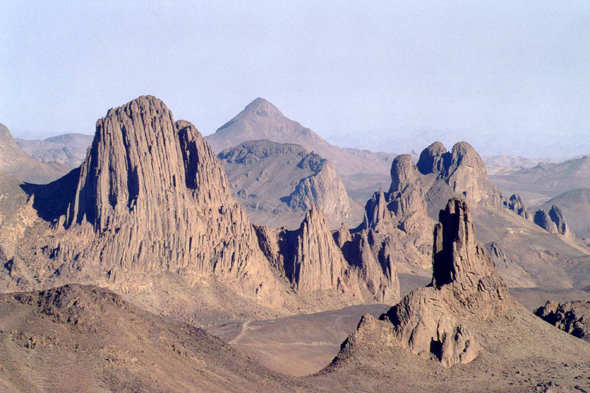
[[262, 107]]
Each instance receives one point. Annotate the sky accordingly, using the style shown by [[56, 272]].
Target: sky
[[362, 73]]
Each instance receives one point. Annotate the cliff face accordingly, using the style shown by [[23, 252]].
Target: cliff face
[[152, 197], [433, 322]]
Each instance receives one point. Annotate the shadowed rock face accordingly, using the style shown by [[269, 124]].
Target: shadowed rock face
[[432, 159], [519, 206], [571, 317], [434, 321]]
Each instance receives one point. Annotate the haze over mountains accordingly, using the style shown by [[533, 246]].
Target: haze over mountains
[[67, 149], [17, 163]]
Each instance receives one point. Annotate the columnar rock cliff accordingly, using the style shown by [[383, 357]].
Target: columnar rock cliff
[[311, 260], [152, 197], [434, 321]]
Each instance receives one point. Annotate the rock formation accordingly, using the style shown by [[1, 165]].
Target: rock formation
[[434, 321], [152, 197], [311, 260], [553, 222], [571, 317], [519, 206], [20, 165], [277, 183]]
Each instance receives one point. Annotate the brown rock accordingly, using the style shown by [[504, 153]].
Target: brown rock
[[312, 261], [434, 321], [571, 317], [432, 159], [519, 206], [152, 197]]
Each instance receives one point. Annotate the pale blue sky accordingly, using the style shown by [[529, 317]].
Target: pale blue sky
[[380, 69]]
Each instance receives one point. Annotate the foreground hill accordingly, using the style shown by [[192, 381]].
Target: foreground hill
[[20, 165], [362, 172], [85, 338], [67, 149], [277, 183]]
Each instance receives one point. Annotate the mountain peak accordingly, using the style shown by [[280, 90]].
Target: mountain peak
[[261, 107]]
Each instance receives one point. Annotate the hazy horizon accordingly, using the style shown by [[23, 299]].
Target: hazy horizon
[[507, 77]]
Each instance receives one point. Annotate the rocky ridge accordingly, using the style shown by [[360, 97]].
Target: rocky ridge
[[360, 171], [68, 150], [150, 211]]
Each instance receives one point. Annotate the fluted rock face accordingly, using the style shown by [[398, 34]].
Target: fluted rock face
[[432, 159], [571, 317], [311, 260], [519, 206], [317, 262], [152, 197], [434, 321], [397, 222]]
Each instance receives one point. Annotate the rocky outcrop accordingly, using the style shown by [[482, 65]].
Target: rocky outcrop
[[360, 171], [519, 206], [324, 189], [311, 260], [433, 322], [152, 197], [553, 222], [571, 317], [277, 183]]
